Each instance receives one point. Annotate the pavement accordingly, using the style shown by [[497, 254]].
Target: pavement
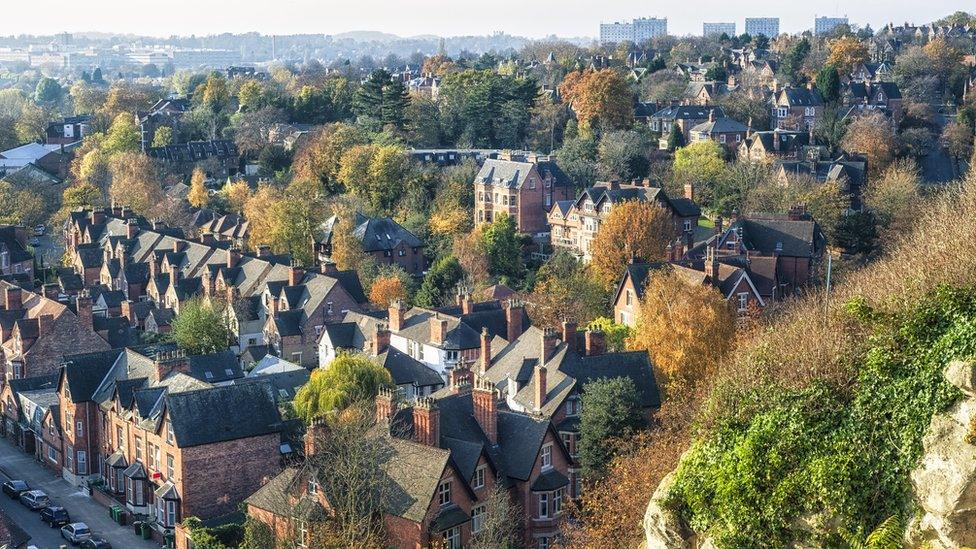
[[14, 464]]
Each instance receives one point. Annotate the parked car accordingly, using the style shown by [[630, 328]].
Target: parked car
[[35, 499], [55, 516], [13, 488], [96, 543], [76, 532], [39, 230]]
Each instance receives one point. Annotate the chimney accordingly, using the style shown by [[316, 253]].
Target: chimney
[[167, 362], [459, 298], [131, 229], [689, 191], [264, 250], [179, 246], [51, 291], [386, 404], [13, 298], [174, 273], [711, 115], [569, 334], [467, 305], [97, 217], [295, 276], [711, 263], [153, 266], [438, 329], [540, 389], [595, 343], [397, 312], [484, 400], [45, 325], [329, 268], [775, 87], [275, 305], [233, 257], [776, 143], [459, 378], [128, 313], [381, 338], [317, 431], [485, 350], [514, 310], [230, 292], [549, 342], [718, 225], [83, 308], [426, 422]]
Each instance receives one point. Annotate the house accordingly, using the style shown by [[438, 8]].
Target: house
[[166, 112], [12, 536], [23, 405], [873, 72], [685, 116], [167, 443], [726, 132], [796, 108], [706, 93], [574, 224], [231, 228], [36, 332], [522, 185], [777, 144], [218, 158], [68, 130], [382, 238], [54, 159], [15, 259], [868, 95], [849, 172]]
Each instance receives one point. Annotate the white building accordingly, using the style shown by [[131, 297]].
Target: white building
[[766, 26], [823, 25], [637, 31], [718, 29]]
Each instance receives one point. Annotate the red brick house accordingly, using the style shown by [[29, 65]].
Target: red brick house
[[523, 185], [14, 257], [726, 132], [796, 108], [382, 238]]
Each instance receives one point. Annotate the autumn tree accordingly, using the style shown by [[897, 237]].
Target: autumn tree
[[872, 135], [387, 288], [846, 53], [200, 327], [321, 157], [615, 334], [564, 292], [632, 229], [701, 164], [20, 206], [346, 381], [958, 140], [600, 98], [686, 329], [503, 247], [895, 196], [136, 182], [162, 137], [469, 249], [198, 195], [122, 136], [236, 193]]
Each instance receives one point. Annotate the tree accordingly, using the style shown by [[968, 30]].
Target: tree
[[21, 206], [198, 195], [395, 103], [895, 196], [443, 276], [387, 288], [676, 138], [616, 335], [599, 98], [872, 135], [700, 162], [236, 193], [48, 91], [346, 381], [87, 98], [633, 229], [622, 156], [122, 136], [857, 233], [31, 124], [321, 157], [162, 137], [388, 169], [469, 249], [136, 181], [686, 329], [564, 292], [500, 520], [793, 60], [611, 410], [828, 84], [503, 247], [200, 327], [846, 53], [958, 140], [84, 195]]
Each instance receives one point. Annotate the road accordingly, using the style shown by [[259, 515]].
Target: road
[[16, 464]]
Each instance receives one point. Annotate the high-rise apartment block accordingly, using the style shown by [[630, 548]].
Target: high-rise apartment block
[[766, 26], [637, 31], [709, 29]]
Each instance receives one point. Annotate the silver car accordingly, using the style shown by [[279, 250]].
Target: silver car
[[35, 499], [76, 532]]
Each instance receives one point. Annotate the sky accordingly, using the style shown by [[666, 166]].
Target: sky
[[532, 18]]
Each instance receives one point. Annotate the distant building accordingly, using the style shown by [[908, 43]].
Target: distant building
[[823, 25], [766, 26], [636, 31], [710, 29]]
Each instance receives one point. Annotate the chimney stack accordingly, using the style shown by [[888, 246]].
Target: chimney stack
[[83, 308], [128, 313], [711, 263], [540, 390], [167, 362], [179, 246], [208, 239], [13, 298], [329, 268], [689, 191], [514, 310], [381, 339], [438, 329], [397, 312], [485, 350], [426, 422], [131, 229], [386, 404], [484, 400], [569, 334], [467, 305], [549, 342], [51, 291], [776, 143], [233, 257], [459, 378], [295, 275], [595, 343], [317, 431]]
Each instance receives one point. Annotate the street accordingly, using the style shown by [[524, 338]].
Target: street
[[16, 464]]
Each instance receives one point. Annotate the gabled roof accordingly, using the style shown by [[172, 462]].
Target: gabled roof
[[206, 416], [792, 238], [721, 125], [406, 370], [84, 373], [689, 112]]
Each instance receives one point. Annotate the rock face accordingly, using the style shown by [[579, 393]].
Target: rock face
[[662, 529], [945, 479]]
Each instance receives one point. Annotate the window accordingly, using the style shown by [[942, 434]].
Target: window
[[296, 357], [531, 182], [138, 449], [170, 513], [313, 486], [452, 538], [157, 463], [477, 518], [51, 454], [328, 307], [630, 298], [479, 478], [302, 541], [721, 138], [738, 138], [169, 466], [69, 458], [568, 442], [557, 502], [687, 225], [119, 439], [170, 437], [544, 505], [82, 462], [444, 493], [543, 543], [743, 301], [546, 455]]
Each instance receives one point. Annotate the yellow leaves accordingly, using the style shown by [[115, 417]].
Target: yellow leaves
[[846, 53], [386, 289], [449, 221], [599, 96], [237, 194], [198, 196], [632, 229]]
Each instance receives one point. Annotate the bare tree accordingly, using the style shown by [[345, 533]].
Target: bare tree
[[501, 521]]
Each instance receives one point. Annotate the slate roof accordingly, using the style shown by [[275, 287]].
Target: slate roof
[[800, 97], [406, 370], [520, 437], [381, 234], [414, 471], [721, 125], [194, 151], [513, 174], [85, 372], [204, 416], [689, 112], [10, 244], [799, 238], [221, 366]]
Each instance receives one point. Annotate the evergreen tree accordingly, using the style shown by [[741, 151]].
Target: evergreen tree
[[97, 76], [440, 280], [828, 84], [676, 139], [368, 101], [395, 103]]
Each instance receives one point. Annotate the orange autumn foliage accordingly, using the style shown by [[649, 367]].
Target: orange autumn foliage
[[386, 289], [632, 229]]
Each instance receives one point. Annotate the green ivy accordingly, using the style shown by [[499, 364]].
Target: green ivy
[[839, 456]]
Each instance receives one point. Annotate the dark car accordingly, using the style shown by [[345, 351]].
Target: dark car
[[96, 543], [14, 488], [55, 516]]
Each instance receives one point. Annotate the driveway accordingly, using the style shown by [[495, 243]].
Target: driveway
[[16, 464]]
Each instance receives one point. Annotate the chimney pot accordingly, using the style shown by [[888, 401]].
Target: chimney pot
[[569, 334], [397, 312], [595, 343]]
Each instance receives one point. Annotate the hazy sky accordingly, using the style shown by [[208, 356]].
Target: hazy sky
[[532, 18]]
